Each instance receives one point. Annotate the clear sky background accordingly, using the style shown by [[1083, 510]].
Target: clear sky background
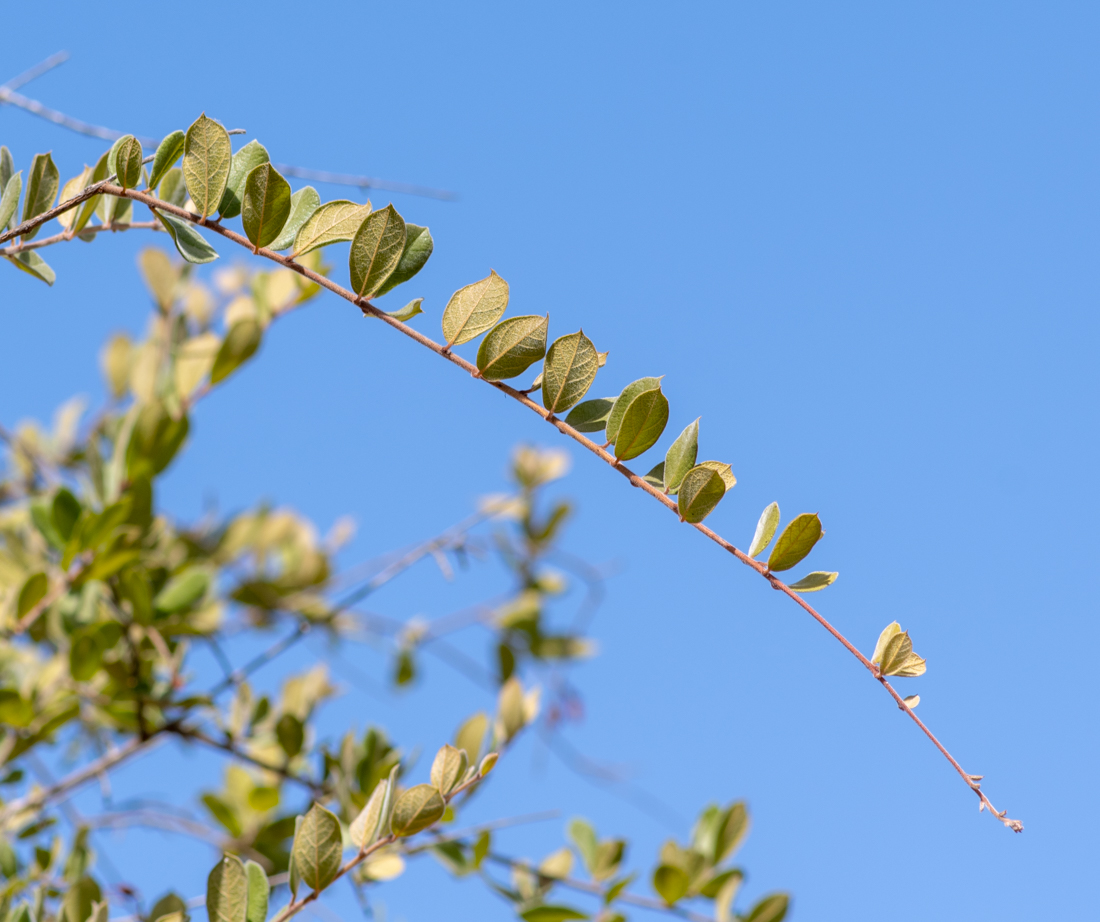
[[859, 239]]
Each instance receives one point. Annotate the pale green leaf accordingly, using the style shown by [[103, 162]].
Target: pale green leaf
[[765, 529], [724, 471], [386, 814], [418, 247], [303, 204], [190, 244], [168, 152], [656, 477], [624, 399], [207, 156], [375, 251], [172, 188], [512, 346], [265, 205], [242, 340], [898, 658], [43, 181], [911, 701], [416, 809], [551, 914], [471, 735], [796, 541], [161, 276], [227, 891], [243, 162], [7, 169], [681, 456], [671, 883], [700, 491], [812, 582], [641, 424], [568, 372], [181, 592], [259, 890], [331, 223], [91, 206], [884, 638], [9, 201], [317, 848], [33, 264], [448, 767], [128, 155], [71, 188], [364, 827], [407, 313], [770, 909], [590, 415], [474, 309]]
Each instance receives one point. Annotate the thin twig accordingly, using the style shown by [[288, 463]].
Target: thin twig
[[365, 182], [89, 229], [370, 310], [55, 59], [462, 835]]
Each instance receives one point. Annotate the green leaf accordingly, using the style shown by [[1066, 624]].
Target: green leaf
[[207, 156], [33, 591], [80, 901], [418, 247], [293, 880], [406, 313], [7, 169], [167, 905], [883, 639], [770, 909], [161, 276], [364, 828], [591, 415], [290, 734], [449, 766], [64, 511], [671, 883], [642, 424], [765, 529], [172, 188], [128, 156], [259, 889], [252, 155], [266, 205], [385, 815], [168, 152], [570, 368], [331, 223], [303, 204], [584, 837], [43, 181], [190, 244], [894, 654], [681, 456], [9, 201], [724, 471], [812, 582], [317, 848], [240, 343], [474, 309], [656, 476], [227, 891], [471, 735], [375, 251], [700, 491], [512, 346], [417, 809], [796, 541], [624, 400], [33, 264], [551, 914], [181, 592]]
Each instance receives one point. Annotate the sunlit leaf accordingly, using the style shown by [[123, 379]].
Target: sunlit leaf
[[190, 244], [770, 909], [9, 201], [724, 471], [448, 768], [243, 162], [33, 591], [765, 529], [642, 424], [128, 155], [365, 827], [551, 914], [812, 582], [375, 251], [207, 155], [407, 313], [227, 891], [512, 346], [259, 891], [265, 205], [795, 542], [168, 152], [43, 181], [590, 415], [71, 189], [656, 477], [894, 654], [418, 247], [33, 264], [417, 809], [681, 456], [671, 883], [624, 399], [568, 372], [331, 223], [240, 343], [471, 735], [700, 491], [474, 309], [317, 848], [303, 204]]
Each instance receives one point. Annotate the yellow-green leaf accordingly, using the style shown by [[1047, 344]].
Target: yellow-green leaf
[[642, 424], [33, 592], [128, 155], [448, 768], [796, 541], [897, 657], [167, 153], [375, 251], [265, 205], [42, 184], [671, 883], [303, 204], [33, 264], [700, 491], [317, 848], [681, 456], [813, 582], [474, 309], [724, 471], [364, 828], [190, 244], [331, 223], [243, 162], [227, 891], [417, 809], [570, 368], [207, 156], [259, 890], [418, 247], [242, 340], [9, 200], [765, 529], [512, 346], [624, 400], [471, 735], [591, 415]]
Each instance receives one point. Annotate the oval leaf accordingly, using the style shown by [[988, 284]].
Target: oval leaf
[[365, 825], [681, 456], [207, 156], [417, 809], [765, 529], [190, 244], [265, 205], [331, 223], [33, 264], [624, 399], [700, 491], [642, 424], [724, 471], [671, 883], [512, 347], [258, 892], [242, 340], [43, 181], [591, 415], [168, 152], [128, 156], [813, 582], [303, 204], [376, 250], [474, 309], [9, 201], [33, 592], [770, 909], [448, 767], [418, 247], [796, 541], [227, 891], [317, 848], [252, 155], [569, 370]]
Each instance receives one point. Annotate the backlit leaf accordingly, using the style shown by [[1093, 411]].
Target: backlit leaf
[[190, 244], [33, 264], [671, 883], [409, 311], [591, 415], [911, 701], [449, 766], [364, 828], [33, 592], [642, 424], [812, 582], [474, 309], [624, 399], [770, 909], [417, 809], [71, 189], [227, 891], [681, 456], [375, 251], [160, 274], [724, 471], [897, 657], [181, 592], [512, 346], [317, 848], [128, 156], [194, 360], [471, 735], [258, 892], [568, 372], [43, 181], [168, 152], [656, 477], [9, 201], [796, 541], [172, 188], [303, 204], [243, 162], [700, 491], [7, 169], [551, 914], [207, 156], [418, 247], [265, 204], [242, 340], [331, 223], [765, 529]]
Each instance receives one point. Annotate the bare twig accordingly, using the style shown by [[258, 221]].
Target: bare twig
[[90, 229], [37, 71], [365, 182]]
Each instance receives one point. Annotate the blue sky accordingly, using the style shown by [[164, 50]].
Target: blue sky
[[858, 239]]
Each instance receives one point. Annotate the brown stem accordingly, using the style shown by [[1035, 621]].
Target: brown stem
[[65, 236]]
